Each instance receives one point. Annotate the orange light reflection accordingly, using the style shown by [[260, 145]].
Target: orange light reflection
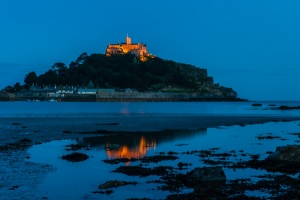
[[138, 152]]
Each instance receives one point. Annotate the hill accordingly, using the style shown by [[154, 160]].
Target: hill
[[126, 71]]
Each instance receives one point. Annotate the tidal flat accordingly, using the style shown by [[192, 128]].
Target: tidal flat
[[143, 156]]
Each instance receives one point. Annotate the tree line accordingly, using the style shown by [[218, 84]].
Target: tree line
[[121, 71]]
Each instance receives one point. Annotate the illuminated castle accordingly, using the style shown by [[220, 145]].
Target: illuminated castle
[[138, 49]]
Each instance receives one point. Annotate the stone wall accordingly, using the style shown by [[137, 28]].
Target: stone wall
[[136, 96]]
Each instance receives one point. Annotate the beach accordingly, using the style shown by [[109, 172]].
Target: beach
[[42, 129], [20, 177]]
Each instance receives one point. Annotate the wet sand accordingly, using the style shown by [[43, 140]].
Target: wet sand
[[19, 178], [43, 129]]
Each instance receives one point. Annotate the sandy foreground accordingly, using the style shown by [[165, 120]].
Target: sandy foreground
[[20, 178]]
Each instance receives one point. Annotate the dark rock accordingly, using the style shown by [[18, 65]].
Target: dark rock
[[109, 124], [158, 158], [286, 153], [20, 145], [275, 165], [107, 192], [65, 131], [268, 137], [14, 187], [114, 184], [290, 194], [142, 171], [74, 147], [256, 104], [286, 180], [289, 107], [297, 134], [284, 159], [25, 140], [75, 157], [16, 124], [179, 145], [170, 153], [173, 183], [181, 165], [206, 176]]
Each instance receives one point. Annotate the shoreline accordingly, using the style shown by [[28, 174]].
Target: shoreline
[[126, 97], [95, 99], [40, 129]]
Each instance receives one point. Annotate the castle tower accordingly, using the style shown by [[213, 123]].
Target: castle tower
[[139, 49], [128, 40]]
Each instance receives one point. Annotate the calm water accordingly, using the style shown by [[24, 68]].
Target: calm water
[[80, 180], [11, 109]]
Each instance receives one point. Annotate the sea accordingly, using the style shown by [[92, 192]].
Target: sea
[[50, 108], [80, 180]]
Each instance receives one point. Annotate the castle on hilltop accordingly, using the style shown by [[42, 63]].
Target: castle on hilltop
[[138, 49]]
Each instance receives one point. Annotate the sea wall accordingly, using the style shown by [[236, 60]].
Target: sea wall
[[137, 96], [129, 97]]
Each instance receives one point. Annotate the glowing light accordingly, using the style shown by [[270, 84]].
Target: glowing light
[[138, 49], [137, 152]]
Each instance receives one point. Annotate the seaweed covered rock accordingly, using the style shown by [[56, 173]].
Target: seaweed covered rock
[[115, 184], [286, 153], [285, 159], [206, 177], [75, 157]]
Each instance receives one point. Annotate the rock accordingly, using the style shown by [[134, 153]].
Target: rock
[[111, 184], [206, 177], [256, 104], [75, 157], [114, 184], [207, 174], [286, 153], [25, 140], [66, 131], [289, 107], [143, 171], [285, 159]]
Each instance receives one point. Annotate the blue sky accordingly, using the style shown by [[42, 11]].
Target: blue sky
[[252, 46]]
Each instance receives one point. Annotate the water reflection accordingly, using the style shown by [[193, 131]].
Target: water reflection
[[116, 151], [136, 145]]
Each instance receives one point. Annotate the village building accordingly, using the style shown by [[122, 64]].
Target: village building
[[38, 91], [64, 90], [51, 91], [87, 91], [138, 49]]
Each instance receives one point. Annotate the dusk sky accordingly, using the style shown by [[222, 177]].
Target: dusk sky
[[252, 46]]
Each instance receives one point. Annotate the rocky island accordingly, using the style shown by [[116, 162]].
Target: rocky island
[[126, 72]]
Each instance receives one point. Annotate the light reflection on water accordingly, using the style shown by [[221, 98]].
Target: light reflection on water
[[78, 180], [136, 145]]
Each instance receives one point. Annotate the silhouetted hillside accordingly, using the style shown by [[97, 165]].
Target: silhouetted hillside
[[126, 71]]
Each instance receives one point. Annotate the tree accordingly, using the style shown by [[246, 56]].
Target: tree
[[17, 87], [59, 67], [9, 89], [81, 59], [30, 79]]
